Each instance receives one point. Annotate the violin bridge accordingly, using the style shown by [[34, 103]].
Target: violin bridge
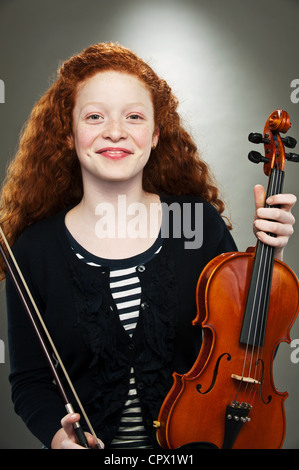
[[245, 379]]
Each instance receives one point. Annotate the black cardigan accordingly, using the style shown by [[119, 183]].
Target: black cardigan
[[81, 316]]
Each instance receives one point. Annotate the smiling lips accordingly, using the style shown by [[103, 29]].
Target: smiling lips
[[114, 153]]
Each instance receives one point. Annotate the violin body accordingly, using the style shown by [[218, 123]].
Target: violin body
[[196, 406], [246, 305]]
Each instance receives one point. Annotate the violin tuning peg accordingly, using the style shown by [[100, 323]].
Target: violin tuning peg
[[292, 157], [256, 157], [257, 138], [289, 142]]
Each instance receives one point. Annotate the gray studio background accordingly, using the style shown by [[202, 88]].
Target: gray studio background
[[231, 63]]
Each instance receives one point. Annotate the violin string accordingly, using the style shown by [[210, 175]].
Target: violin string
[[249, 333], [238, 391], [258, 352], [262, 285], [251, 403], [266, 253], [255, 302], [277, 184], [48, 335]]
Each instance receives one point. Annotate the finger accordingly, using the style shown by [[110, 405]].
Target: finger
[[68, 444], [276, 242], [94, 442], [285, 201], [274, 227], [68, 422], [259, 196], [71, 439], [279, 215]]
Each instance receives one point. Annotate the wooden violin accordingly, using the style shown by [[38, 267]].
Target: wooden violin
[[246, 305]]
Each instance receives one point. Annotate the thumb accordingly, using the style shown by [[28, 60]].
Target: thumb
[[67, 423], [259, 196]]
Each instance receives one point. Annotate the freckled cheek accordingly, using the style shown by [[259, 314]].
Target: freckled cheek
[[144, 139], [84, 139]]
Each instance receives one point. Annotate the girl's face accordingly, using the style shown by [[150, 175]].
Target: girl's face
[[113, 127]]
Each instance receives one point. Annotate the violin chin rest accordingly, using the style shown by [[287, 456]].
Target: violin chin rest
[[198, 445]]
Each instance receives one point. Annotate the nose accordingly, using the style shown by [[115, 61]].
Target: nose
[[114, 130]]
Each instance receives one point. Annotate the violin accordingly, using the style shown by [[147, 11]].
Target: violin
[[246, 305]]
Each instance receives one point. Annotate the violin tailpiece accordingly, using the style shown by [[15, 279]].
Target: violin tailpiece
[[235, 417]]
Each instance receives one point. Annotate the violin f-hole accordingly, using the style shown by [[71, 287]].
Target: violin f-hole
[[198, 386], [262, 381]]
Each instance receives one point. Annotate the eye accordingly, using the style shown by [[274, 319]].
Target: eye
[[94, 117], [134, 117]]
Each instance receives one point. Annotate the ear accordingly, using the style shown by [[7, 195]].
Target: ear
[[155, 137]]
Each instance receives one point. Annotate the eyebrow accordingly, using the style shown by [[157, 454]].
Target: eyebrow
[[96, 104], [99, 103]]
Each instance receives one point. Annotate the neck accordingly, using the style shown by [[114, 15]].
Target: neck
[[111, 194], [121, 208]]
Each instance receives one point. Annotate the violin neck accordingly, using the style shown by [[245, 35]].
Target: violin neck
[[255, 316], [275, 183]]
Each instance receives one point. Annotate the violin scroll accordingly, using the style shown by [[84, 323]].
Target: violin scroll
[[274, 144]]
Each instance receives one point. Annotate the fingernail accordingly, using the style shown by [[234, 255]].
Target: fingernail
[[269, 200]]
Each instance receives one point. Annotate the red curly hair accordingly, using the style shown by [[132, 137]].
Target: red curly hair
[[45, 175]]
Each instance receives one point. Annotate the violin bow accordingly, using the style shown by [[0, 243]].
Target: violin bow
[[23, 289]]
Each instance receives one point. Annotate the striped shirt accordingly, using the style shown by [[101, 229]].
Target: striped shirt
[[126, 291]]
